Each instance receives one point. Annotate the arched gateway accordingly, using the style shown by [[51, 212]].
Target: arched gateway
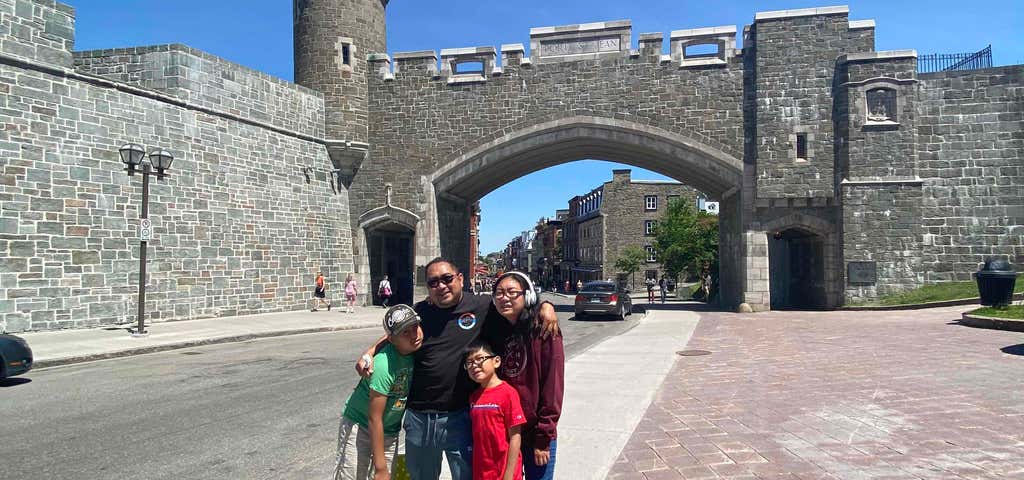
[[807, 136]]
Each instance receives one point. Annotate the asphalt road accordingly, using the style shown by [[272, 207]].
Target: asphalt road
[[262, 409]]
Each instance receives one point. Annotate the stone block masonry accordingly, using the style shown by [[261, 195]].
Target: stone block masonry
[[971, 157], [240, 227]]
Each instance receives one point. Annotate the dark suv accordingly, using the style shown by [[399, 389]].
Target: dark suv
[[603, 298]]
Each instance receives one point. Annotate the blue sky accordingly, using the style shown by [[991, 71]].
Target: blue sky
[[257, 33]]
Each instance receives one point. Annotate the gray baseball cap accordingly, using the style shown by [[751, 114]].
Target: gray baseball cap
[[398, 318]]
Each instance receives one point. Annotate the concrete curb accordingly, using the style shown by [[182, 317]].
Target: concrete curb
[[56, 362], [917, 306], [979, 321]]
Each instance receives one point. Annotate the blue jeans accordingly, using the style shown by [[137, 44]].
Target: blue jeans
[[539, 472], [429, 435]]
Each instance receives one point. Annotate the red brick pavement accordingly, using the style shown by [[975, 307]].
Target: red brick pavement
[[836, 395]]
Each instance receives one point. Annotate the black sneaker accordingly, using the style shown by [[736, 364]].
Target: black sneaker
[[328, 307]]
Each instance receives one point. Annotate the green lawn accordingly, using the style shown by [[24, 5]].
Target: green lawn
[[1014, 312], [938, 292]]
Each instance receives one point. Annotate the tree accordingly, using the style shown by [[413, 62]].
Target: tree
[[631, 259], [686, 240]]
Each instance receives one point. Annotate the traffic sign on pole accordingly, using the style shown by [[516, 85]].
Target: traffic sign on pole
[[145, 229]]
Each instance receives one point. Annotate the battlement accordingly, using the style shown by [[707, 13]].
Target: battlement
[[695, 48], [37, 31]]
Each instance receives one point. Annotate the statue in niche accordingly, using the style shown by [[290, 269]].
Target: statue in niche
[[881, 105]]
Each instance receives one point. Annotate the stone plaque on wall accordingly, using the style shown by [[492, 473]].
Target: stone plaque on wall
[[554, 48], [862, 273]]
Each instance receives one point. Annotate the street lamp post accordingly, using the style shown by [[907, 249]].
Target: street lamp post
[[134, 158]]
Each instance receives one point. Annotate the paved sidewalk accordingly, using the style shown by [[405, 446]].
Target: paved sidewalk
[[73, 346], [837, 395]]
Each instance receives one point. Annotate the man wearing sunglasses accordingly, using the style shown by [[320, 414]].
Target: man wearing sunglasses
[[437, 415]]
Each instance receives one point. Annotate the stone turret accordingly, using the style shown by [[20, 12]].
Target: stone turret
[[332, 41]]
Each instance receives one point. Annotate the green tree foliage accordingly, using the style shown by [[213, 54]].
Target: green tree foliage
[[631, 259], [686, 241]]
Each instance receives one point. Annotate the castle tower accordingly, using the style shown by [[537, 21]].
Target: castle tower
[[332, 39]]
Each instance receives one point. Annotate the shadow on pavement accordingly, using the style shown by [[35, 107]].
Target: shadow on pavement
[[14, 382], [1013, 349]]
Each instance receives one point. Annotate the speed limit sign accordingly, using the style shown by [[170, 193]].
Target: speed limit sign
[[145, 229]]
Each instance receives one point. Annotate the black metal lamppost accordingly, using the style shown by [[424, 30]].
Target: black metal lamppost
[[134, 158]]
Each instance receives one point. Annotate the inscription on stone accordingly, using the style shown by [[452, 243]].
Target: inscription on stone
[[557, 48], [862, 273]]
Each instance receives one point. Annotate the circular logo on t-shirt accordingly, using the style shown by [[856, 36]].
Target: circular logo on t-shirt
[[514, 361], [467, 321]]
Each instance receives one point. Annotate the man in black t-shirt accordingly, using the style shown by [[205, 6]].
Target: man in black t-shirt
[[437, 416]]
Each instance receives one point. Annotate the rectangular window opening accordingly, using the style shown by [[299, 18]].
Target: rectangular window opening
[[801, 146], [702, 50], [346, 54], [469, 68], [651, 202], [651, 254], [649, 227]]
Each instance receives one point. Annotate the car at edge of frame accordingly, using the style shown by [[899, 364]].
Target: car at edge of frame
[[15, 355]]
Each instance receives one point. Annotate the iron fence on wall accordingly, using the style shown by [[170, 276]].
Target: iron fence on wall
[[944, 62]]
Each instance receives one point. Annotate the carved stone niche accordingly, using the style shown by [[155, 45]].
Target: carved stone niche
[[588, 41], [881, 106]]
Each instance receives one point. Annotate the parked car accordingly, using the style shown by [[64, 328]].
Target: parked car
[[15, 355], [603, 298]]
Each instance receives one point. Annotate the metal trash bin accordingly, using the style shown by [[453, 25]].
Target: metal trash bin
[[995, 282]]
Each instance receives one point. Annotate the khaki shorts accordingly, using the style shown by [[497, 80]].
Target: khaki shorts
[[355, 452]]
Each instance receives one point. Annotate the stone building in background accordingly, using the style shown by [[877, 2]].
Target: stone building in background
[[842, 173], [620, 213]]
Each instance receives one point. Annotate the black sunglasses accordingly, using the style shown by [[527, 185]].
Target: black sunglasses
[[446, 278]]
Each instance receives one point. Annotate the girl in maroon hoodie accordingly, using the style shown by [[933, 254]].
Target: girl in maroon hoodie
[[534, 365]]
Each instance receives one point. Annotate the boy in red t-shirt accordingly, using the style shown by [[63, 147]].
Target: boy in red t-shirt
[[496, 415]]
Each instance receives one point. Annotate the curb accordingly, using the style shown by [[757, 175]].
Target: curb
[[57, 362], [992, 322], [916, 306]]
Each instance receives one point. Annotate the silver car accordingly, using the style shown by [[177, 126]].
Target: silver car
[[603, 298]]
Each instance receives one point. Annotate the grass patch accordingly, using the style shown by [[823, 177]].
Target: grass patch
[[939, 292], [1012, 312]]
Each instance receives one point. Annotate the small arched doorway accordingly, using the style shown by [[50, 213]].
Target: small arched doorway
[[796, 259], [390, 251]]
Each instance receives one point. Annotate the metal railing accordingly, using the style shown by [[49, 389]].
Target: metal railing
[[945, 62]]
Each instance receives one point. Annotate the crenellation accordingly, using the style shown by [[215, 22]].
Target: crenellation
[[512, 54], [415, 63], [452, 58], [651, 45], [724, 37]]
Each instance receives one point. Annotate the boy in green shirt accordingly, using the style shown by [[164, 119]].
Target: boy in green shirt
[[368, 435]]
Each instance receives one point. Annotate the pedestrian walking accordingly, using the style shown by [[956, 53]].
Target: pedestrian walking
[[650, 289], [661, 286], [372, 418], [320, 292], [384, 291], [566, 287], [351, 290], [579, 285]]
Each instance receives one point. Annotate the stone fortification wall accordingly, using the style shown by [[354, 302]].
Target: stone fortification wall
[[421, 119], [971, 158], [795, 59], [38, 30], [202, 79], [238, 226]]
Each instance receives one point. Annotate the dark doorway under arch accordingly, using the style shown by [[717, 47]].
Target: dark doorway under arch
[[796, 268], [391, 253]]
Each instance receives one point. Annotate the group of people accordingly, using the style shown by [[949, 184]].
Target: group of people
[[661, 284], [477, 378], [351, 292]]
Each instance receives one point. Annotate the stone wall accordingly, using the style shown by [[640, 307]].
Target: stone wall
[[795, 60], [37, 30], [240, 226], [202, 79], [971, 158]]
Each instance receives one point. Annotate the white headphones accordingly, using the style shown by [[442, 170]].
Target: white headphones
[[529, 295]]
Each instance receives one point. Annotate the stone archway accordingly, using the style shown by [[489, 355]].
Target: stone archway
[[385, 245], [477, 170]]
